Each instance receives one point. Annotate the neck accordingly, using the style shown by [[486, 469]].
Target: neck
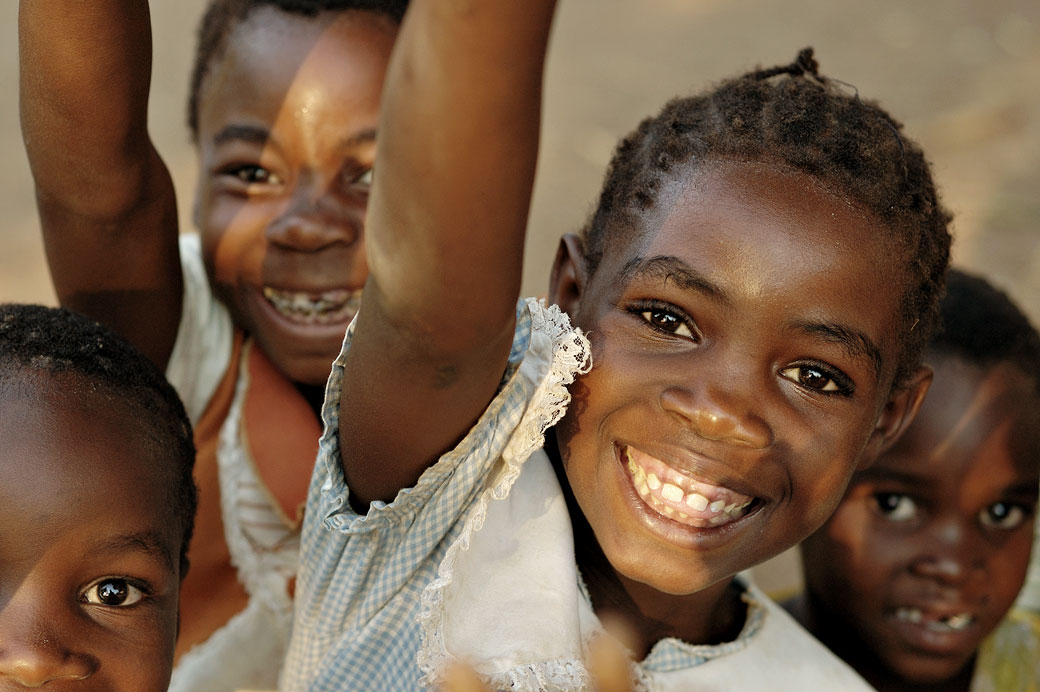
[[711, 616], [837, 636], [314, 394]]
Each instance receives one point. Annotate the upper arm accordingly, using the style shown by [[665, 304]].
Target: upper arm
[[106, 201], [445, 233]]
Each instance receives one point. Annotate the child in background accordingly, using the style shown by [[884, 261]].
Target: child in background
[[247, 316], [96, 507], [756, 285], [929, 548]]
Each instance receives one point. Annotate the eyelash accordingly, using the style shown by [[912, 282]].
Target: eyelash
[[843, 384], [132, 586], [644, 310], [241, 171]]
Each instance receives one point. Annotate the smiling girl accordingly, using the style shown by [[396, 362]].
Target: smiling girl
[[752, 293], [247, 316]]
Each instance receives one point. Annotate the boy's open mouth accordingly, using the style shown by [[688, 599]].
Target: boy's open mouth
[[679, 497], [942, 624], [327, 307]]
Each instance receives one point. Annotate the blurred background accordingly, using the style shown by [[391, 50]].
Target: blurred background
[[962, 75]]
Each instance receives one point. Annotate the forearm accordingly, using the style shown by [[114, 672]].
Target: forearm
[[460, 135], [84, 77], [107, 205]]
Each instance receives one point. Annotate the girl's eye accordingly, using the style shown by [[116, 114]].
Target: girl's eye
[[667, 322], [254, 175], [817, 379], [113, 591], [364, 179], [1002, 515], [896, 507]]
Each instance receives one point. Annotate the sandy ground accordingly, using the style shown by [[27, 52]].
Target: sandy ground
[[961, 74]]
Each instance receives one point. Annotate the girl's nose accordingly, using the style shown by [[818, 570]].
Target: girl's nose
[[32, 653], [314, 222], [950, 557], [722, 416]]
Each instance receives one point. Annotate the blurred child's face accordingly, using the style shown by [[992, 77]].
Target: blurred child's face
[[287, 139], [743, 351], [930, 547], [89, 559]]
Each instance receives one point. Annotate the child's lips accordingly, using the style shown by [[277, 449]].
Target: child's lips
[[680, 497], [941, 629], [314, 308]]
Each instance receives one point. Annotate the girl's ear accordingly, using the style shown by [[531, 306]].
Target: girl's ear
[[899, 412], [567, 281]]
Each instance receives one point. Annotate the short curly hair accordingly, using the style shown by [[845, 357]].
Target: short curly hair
[[55, 341], [222, 16], [793, 117], [983, 326]]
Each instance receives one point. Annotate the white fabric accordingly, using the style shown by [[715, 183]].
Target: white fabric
[[513, 606], [247, 652], [202, 352]]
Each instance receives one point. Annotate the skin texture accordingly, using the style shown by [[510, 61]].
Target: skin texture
[[83, 509], [720, 361], [942, 522], [286, 147]]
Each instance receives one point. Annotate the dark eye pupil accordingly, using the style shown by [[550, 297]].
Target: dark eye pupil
[[664, 320], [887, 502], [812, 377], [253, 174], [112, 592], [999, 511]]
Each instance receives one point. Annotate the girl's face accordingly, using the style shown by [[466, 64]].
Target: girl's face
[[89, 559], [743, 349], [287, 139], [930, 546]]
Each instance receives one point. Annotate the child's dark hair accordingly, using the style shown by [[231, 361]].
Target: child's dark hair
[[793, 117], [53, 341], [981, 325], [224, 15]]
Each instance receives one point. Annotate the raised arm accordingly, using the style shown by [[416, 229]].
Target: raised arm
[[105, 198], [445, 232]]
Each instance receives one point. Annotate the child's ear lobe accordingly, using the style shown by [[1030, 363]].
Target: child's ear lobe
[[567, 281], [899, 412]]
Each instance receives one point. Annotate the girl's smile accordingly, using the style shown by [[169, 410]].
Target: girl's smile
[[743, 356], [287, 141]]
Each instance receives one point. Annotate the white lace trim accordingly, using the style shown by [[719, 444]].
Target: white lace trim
[[264, 551], [571, 356]]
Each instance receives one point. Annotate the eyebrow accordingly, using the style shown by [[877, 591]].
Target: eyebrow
[[260, 135], [855, 342], [246, 133], [147, 542], [670, 268], [876, 473]]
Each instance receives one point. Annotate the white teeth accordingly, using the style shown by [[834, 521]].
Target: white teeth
[[325, 307], [653, 481], [697, 503], [642, 489], [717, 506], [729, 508], [959, 621], [912, 615], [672, 493]]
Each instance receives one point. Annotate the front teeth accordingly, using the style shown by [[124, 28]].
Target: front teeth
[[946, 623], [664, 496], [323, 308]]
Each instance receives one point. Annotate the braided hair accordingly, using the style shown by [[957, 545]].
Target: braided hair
[[793, 117], [222, 16], [37, 340]]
